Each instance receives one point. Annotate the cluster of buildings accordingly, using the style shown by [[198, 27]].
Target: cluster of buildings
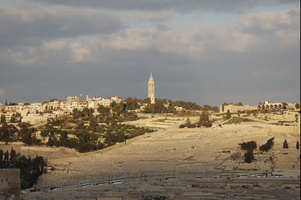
[[261, 106], [40, 112]]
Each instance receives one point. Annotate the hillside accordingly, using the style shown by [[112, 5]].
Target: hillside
[[172, 151]]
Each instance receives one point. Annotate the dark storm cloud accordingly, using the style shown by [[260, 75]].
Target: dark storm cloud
[[31, 24], [177, 5]]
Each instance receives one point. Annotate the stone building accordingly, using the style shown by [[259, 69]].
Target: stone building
[[276, 106], [10, 184], [236, 108]]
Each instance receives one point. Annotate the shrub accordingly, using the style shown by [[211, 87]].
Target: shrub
[[182, 126], [249, 146]]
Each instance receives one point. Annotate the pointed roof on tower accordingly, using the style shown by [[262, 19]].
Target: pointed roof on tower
[[151, 76]]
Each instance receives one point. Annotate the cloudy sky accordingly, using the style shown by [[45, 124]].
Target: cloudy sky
[[204, 51]]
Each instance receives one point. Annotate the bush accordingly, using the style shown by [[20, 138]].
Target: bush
[[267, 146], [207, 124], [249, 146], [182, 126], [191, 125]]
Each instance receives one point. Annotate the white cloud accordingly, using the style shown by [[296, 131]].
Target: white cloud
[[57, 45], [149, 16], [49, 40], [79, 53]]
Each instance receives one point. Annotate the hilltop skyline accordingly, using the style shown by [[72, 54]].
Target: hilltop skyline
[[208, 52]]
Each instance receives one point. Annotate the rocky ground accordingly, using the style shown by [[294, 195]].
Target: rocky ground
[[183, 153]]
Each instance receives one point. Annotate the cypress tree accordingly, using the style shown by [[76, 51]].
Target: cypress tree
[[285, 144], [12, 155], [1, 155], [297, 145], [228, 116]]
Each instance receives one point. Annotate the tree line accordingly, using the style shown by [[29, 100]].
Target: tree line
[[203, 121], [82, 131], [30, 169]]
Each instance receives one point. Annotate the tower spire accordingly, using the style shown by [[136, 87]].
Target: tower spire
[[151, 76], [151, 88]]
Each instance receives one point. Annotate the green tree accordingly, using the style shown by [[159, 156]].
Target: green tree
[[103, 111], [204, 117], [1, 156], [268, 145], [228, 115], [285, 144], [249, 157], [6, 156], [12, 155], [188, 122], [248, 146], [3, 119], [13, 119]]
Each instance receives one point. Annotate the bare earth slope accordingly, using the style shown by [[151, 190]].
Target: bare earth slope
[[172, 151]]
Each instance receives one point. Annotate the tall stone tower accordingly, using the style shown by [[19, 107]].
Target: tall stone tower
[[151, 89]]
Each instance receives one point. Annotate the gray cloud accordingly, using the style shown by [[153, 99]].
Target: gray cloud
[[54, 51], [28, 24], [177, 5]]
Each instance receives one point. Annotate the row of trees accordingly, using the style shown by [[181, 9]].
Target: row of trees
[[17, 132], [203, 121], [286, 146], [165, 105], [90, 132], [30, 169]]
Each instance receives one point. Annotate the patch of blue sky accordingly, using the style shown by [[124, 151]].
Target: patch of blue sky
[[214, 17], [282, 7], [8, 2]]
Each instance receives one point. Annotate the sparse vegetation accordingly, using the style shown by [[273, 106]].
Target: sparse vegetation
[[237, 120], [235, 156]]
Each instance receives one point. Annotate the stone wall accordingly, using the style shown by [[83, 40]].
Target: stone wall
[[10, 182]]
